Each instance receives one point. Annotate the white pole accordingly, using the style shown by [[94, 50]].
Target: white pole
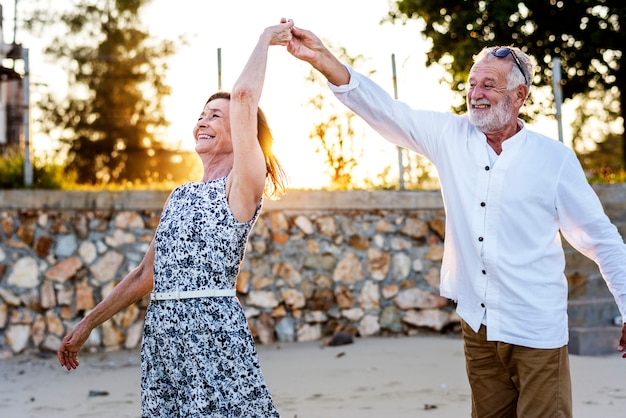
[[399, 149], [558, 95], [219, 69], [28, 166]]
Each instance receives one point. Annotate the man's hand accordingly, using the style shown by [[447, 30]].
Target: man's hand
[[305, 45]]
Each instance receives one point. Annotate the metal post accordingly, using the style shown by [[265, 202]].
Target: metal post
[[558, 95], [398, 148], [219, 69], [28, 166]]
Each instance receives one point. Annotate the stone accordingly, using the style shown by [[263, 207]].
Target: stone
[[430, 318], [48, 295], [66, 246], [368, 325], [38, 330], [433, 277], [435, 253], [128, 220], [309, 332], [384, 226], [344, 297], [64, 270], [359, 243], [42, 246], [133, 335], [400, 243], [242, 285], [265, 328], [315, 317], [9, 297], [105, 269], [4, 311], [53, 323], [7, 226], [81, 226], [417, 265], [415, 228], [262, 299], [322, 300], [22, 315], [391, 319], [326, 225], [304, 224], [438, 225], [378, 263], [65, 296], [17, 337], [287, 272], [26, 233], [369, 298], [353, 314], [390, 291], [119, 238], [260, 283], [401, 266], [51, 343], [418, 298], [128, 316], [87, 252], [293, 299], [279, 311], [349, 270], [285, 329], [25, 273], [326, 262], [112, 336]]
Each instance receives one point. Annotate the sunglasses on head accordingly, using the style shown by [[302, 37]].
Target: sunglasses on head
[[503, 52]]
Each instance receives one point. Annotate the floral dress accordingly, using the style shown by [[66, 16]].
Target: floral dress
[[198, 358]]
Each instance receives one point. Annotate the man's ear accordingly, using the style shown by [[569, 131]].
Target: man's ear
[[521, 93]]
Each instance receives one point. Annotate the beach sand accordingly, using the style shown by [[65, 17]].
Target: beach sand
[[420, 376]]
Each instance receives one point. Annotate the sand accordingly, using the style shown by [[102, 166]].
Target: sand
[[420, 376]]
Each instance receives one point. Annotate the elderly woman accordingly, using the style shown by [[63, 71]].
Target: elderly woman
[[198, 356]]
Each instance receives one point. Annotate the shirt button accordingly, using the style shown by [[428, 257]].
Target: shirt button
[[486, 168], [482, 305], [480, 239], [483, 204], [484, 272]]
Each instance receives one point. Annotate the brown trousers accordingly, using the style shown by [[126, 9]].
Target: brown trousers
[[511, 381]]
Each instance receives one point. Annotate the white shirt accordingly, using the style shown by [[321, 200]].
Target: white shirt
[[502, 250]]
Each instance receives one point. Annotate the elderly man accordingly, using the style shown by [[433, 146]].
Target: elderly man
[[508, 192]]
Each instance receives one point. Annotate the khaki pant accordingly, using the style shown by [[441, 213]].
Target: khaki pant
[[514, 381]]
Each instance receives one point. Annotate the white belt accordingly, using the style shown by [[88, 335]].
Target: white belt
[[189, 294]]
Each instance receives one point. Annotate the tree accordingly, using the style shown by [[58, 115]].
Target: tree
[[334, 131], [586, 35], [112, 118]]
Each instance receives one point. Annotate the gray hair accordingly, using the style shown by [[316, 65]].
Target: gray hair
[[514, 78]]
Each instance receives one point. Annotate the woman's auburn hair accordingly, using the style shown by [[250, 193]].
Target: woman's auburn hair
[[274, 171]]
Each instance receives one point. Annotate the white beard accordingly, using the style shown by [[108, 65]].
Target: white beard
[[494, 119]]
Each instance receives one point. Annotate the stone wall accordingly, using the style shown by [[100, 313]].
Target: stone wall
[[364, 262]]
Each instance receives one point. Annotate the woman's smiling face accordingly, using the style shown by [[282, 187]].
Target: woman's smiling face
[[212, 131]]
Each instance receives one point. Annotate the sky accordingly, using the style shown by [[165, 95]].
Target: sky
[[233, 27]]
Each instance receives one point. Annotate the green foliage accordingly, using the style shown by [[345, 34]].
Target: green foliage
[[596, 139], [112, 119], [46, 174], [587, 36]]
